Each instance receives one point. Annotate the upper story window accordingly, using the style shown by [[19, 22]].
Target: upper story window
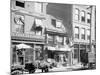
[[77, 32], [83, 16], [76, 14], [37, 26], [88, 18], [83, 33], [58, 24], [39, 22], [60, 39], [20, 4], [38, 7], [53, 21], [88, 34]]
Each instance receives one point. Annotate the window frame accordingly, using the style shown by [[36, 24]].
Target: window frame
[[88, 34], [77, 14], [88, 19], [83, 35], [22, 6], [77, 35], [83, 16], [36, 5]]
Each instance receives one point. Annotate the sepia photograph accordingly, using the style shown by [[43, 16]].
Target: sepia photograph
[[51, 37]]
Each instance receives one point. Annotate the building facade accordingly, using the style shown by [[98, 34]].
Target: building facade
[[43, 35], [79, 22], [27, 20]]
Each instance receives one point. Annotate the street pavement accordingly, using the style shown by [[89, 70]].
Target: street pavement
[[59, 69]]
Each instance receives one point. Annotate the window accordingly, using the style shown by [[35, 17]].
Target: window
[[83, 16], [38, 32], [38, 7], [76, 53], [88, 34], [88, 18], [58, 24], [50, 36], [83, 33], [77, 32], [20, 4], [53, 22], [60, 39], [76, 14], [38, 22]]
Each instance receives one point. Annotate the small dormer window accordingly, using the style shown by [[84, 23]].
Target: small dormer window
[[53, 21], [58, 24], [20, 4]]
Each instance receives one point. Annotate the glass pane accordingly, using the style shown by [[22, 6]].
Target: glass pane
[[77, 30], [76, 11], [38, 22], [76, 17], [82, 31], [58, 24], [83, 13]]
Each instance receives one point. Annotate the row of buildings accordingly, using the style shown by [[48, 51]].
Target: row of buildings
[[64, 33]]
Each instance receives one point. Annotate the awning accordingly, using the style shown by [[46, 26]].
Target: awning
[[23, 46], [51, 48], [65, 48]]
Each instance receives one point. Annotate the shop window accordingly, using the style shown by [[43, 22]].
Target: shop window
[[83, 33], [88, 18], [77, 32], [21, 60], [20, 4], [76, 53], [83, 16], [76, 45], [13, 54], [76, 14]]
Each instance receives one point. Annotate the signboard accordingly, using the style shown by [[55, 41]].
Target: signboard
[[91, 57]]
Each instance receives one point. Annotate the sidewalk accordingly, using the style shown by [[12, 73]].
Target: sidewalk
[[59, 69]]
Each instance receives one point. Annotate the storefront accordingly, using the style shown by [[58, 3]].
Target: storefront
[[26, 52], [80, 53], [60, 55]]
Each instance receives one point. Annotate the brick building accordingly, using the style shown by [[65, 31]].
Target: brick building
[[79, 22]]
